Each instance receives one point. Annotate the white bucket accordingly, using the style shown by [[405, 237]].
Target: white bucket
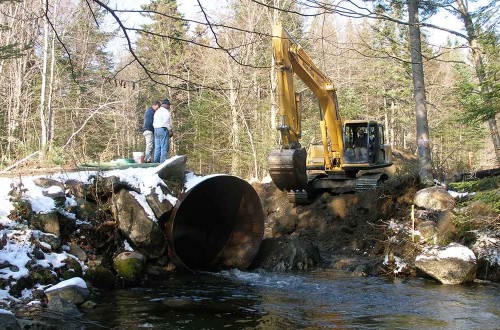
[[138, 156]]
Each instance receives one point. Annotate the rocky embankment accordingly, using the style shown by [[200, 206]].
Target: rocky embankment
[[398, 230]]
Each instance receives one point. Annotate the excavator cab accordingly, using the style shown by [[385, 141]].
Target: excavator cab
[[364, 145]]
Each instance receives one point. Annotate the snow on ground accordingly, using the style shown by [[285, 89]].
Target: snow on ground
[[18, 237]]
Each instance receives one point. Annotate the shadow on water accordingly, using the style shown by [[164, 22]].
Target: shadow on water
[[261, 300]]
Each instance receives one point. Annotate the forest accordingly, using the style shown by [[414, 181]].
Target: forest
[[67, 97]]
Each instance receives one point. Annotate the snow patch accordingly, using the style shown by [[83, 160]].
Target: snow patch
[[54, 190], [488, 247], [452, 251], [75, 281], [267, 179], [127, 246], [144, 204], [459, 195], [4, 311]]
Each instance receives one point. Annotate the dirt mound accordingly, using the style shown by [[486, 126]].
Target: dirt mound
[[346, 228]]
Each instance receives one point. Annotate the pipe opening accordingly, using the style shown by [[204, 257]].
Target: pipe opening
[[217, 224]]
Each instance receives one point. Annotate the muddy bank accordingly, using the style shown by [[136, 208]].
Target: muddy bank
[[342, 231]]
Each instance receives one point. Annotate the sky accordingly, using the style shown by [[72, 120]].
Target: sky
[[190, 10]]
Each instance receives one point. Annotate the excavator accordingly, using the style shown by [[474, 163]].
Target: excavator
[[342, 161]]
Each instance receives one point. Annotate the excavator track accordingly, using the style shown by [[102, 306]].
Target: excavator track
[[287, 168], [298, 197], [370, 181]]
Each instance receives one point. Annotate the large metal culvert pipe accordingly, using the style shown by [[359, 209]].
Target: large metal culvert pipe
[[217, 224]]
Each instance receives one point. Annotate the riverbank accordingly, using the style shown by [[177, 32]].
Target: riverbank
[[63, 226]]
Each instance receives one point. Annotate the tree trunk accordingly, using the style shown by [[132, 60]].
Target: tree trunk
[[472, 36], [50, 110], [423, 139], [43, 121], [274, 78]]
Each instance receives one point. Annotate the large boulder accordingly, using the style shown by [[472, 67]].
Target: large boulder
[[434, 198], [130, 266], [137, 226], [453, 264], [286, 253], [158, 201], [173, 168], [73, 290]]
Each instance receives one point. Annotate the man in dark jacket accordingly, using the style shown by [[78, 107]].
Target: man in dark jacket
[[149, 131]]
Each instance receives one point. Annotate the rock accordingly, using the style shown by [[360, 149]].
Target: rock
[[67, 224], [79, 189], [8, 320], [51, 239], [17, 288], [35, 324], [24, 209], [434, 198], [57, 194], [41, 275], [135, 224], [47, 222], [158, 203], [47, 182], [86, 209], [285, 225], [445, 227], [174, 167], [63, 306], [453, 264], [130, 266], [107, 186], [427, 230], [180, 303], [77, 251], [71, 269], [88, 304], [155, 271], [360, 271], [100, 277], [73, 290], [286, 253]]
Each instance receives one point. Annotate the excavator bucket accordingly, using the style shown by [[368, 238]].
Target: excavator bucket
[[287, 168]]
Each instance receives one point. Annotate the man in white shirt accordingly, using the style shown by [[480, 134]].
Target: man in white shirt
[[163, 131]]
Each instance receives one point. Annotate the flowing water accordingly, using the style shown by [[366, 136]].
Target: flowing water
[[315, 300]]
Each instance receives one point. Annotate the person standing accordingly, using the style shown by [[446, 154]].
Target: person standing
[[148, 131], [163, 131]]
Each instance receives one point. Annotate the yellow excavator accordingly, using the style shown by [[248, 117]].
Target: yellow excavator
[[346, 147]]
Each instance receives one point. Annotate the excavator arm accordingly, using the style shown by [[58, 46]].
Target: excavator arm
[[287, 165]]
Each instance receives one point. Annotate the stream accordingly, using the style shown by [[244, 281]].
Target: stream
[[312, 300]]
